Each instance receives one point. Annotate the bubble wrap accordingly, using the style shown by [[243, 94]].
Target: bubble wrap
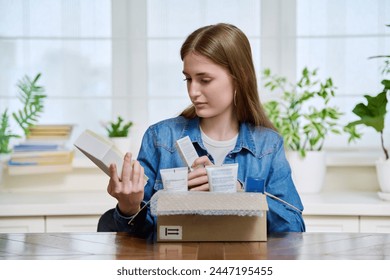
[[208, 203]]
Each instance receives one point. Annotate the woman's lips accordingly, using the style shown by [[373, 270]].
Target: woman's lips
[[199, 103]]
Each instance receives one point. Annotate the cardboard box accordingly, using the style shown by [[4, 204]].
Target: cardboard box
[[206, 216]]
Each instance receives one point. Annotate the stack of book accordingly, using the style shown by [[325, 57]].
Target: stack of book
[[43, 151]]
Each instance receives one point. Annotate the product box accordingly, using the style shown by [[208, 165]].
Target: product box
[[207, 216], [101, 151]]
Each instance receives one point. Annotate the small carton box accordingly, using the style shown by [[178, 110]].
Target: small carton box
[[207, 216]]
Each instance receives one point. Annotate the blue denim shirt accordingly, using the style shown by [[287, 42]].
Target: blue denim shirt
[[259, 153]]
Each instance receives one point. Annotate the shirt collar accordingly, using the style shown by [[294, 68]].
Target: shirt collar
[[245, 139]]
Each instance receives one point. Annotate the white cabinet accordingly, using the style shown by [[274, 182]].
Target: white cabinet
[[22, 224], [346, 211], [49, 224], [318, 223], [56, 211], [375, 224], [72, 223], [332, 223]]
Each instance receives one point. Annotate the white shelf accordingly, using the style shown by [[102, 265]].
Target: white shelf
[[55, 203], [352, 158], [348, 203]]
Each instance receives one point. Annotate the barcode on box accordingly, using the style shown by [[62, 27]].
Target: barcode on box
[[171, 232]]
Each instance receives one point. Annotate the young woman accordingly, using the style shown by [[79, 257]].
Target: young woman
[[226, 123]]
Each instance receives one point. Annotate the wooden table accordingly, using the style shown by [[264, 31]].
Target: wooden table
[[120, 246]]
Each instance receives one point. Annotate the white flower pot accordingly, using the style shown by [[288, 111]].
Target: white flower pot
[[308, 173], [122, 143], [383, 174]]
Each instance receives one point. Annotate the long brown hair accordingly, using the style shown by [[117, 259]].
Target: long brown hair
[[228, 46]]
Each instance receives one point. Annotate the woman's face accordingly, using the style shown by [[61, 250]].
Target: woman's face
[[210, 86]]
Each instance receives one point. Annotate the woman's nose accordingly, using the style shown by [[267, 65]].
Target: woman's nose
[[193, 89]]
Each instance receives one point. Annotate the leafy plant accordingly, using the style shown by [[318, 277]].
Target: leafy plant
[[32, 96], [302, 114], [374, 113], [5, 133], [118, 128]]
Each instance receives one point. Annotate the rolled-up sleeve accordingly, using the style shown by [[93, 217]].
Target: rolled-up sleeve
[[143, 223], [281, 217]]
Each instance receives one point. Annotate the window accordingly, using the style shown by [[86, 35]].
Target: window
[[69, 42], [338, 37]]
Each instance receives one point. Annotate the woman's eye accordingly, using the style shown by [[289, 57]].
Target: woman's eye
[[187, 79], [205, 81]]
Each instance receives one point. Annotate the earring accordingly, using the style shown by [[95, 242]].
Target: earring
[[234, 98]]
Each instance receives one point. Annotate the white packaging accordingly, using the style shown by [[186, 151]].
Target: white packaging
[[175, 179], [222, 178], [187, 150]]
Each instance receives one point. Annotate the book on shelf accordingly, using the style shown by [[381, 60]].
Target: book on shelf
[[51, 129], [30, 169], [43, 151], [38, 160], [26, 147], [58, 153], [25, 163], [50, 132], [101, 151], [42, 158]]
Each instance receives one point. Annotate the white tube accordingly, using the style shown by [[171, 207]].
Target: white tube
[[175, 179], [222, 178], [187, 151]]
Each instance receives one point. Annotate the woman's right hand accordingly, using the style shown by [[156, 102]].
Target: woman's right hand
[[197, 178], [129, 191]]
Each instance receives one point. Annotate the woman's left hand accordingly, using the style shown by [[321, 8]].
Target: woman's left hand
[[197, 179], [129, 191]]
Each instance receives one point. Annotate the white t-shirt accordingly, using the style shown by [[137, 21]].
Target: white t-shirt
[[218, 149]]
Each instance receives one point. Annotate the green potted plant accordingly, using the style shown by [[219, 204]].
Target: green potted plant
[[118, 132], [304, 117], [373, 115], [118, 128]]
